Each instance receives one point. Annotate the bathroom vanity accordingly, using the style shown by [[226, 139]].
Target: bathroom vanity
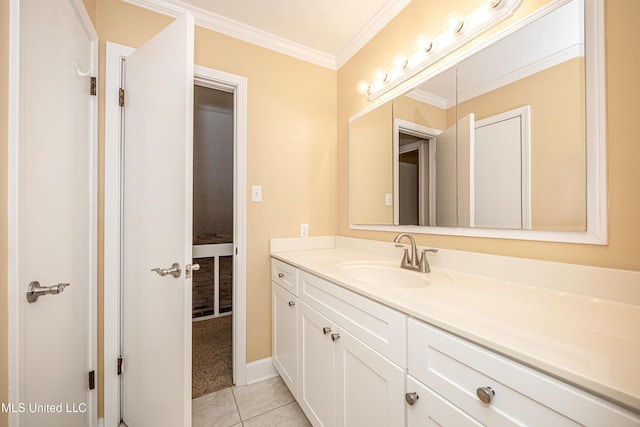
[[359, 341]]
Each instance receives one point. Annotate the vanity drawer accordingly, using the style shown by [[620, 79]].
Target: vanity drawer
[[378, 326], [285, 275], [456, 369]]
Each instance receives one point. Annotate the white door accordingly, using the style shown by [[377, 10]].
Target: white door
[[316, 366], [446, 176], [285, 336], [56, 217], [158, 145], [501, 161], [369, 388]]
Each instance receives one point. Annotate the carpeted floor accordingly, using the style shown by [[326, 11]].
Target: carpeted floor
[[212, 356]]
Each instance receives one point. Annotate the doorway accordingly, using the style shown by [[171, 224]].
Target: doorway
[[213, 220], [414, 173], [206, 77]]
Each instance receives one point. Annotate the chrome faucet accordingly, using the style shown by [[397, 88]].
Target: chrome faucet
[[411, 261]]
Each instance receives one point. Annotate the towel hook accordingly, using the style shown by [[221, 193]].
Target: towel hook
[[79, 72]]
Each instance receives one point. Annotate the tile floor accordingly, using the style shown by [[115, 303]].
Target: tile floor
[[267, 403]]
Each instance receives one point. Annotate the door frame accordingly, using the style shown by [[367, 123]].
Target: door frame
[[428, 134], [14, 290], [203, 76]]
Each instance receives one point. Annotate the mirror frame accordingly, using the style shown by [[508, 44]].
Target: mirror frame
[[596, 147]]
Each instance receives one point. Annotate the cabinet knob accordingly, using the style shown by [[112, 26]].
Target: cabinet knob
[[326, 330], [335, 337], [280, 275], [485, 394], [292, 303], [411, 398]]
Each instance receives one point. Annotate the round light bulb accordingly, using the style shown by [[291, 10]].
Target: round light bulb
[[363, 87], [380, 74], [424, 43], [453, 22], [400, 62]]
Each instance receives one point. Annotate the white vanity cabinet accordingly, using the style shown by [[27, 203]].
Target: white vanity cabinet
[[474, 384], [284, 313], [352, 357], [343, 382]]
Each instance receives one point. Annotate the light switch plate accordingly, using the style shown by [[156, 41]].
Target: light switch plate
[[304, 230], [256, 193], [388, 200]]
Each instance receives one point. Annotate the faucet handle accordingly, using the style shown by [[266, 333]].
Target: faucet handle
[[424, 263], [406, 261]]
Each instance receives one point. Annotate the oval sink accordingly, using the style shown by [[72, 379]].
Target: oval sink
[[389, 275]]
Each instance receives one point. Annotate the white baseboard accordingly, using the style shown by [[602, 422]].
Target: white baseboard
[[260, 370]]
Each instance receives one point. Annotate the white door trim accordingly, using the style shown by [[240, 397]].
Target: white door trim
[[14, 288], [112, 189]]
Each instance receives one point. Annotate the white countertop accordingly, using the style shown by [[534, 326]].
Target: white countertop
[[591, 343]]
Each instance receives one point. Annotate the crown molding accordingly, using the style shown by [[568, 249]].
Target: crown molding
[[431, 99], [238, 30], [373, 27], [576, 50]]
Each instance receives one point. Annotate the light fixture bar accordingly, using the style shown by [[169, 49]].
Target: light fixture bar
[[456, 32]]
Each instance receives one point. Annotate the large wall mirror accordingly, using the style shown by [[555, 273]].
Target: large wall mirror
[[506, 140]]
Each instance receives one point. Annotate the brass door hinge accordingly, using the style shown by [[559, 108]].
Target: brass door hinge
[[93, 87], [120, 363], [121, 97]]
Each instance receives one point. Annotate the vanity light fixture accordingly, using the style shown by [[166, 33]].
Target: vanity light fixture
[[457, 30]]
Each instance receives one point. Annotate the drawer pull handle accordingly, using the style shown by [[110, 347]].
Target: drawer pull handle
[[411, 398], [326, 330], [335, 337], [280, 275], [485, 394], [292, 303]]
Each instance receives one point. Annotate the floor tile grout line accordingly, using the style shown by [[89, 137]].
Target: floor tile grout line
[[237, 407], [270, 410]]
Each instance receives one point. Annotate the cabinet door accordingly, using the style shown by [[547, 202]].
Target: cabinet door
[[285, 336], [369, 387], [432, 410], [316, 366]]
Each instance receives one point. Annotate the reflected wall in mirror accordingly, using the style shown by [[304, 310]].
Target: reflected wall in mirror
[[526, 97], [495, 141], [424, 141]]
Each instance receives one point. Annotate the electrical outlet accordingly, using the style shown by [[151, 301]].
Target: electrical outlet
[[388, 199], [304, 230]]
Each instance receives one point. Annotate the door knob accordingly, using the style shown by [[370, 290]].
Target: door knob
[[174, 270], [326, 330], [35, 291], [335, 337], [411, 398], [292, 303]]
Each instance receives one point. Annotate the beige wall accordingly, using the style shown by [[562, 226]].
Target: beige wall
[[372, 166], [623, 88], [558, 168], [414, 111], [4, 85]]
